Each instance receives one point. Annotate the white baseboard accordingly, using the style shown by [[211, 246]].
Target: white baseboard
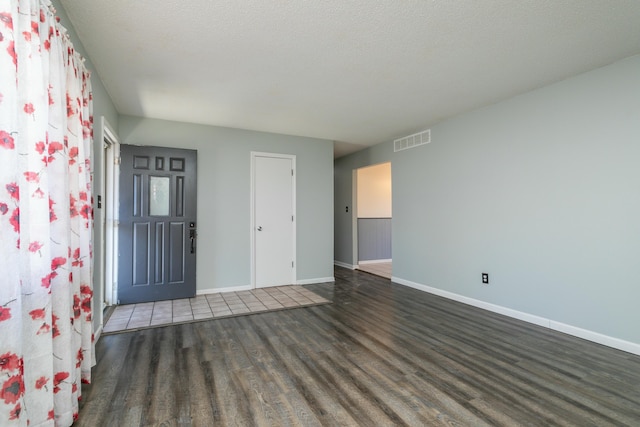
[[249, 287], [227, 289], [313, 281], [375, 261], [345, 265], [596, 337]]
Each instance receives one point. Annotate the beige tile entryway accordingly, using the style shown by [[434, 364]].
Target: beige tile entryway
[[138, 316]]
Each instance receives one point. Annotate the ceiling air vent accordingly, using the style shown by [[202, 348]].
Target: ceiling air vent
[[411, 141]]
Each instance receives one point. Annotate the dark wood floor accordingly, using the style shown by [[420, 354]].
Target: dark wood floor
[[381, 354]]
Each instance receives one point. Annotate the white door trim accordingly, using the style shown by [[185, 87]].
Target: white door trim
[[111, 190], [252, 229], [354, 218]]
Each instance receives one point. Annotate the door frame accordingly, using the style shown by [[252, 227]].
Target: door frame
[[355, 254], [354, 218], [111, 185], [252, 208]]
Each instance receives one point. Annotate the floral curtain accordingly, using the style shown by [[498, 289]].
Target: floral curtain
[[46, 342]]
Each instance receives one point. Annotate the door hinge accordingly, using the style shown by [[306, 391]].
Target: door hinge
[[291, 218], [291, 172], [291, 264], [117, 160]]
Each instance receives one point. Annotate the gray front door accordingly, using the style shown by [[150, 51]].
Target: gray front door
[[157, 224]]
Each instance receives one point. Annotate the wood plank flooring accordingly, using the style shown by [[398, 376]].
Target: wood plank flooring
[[380, 355]]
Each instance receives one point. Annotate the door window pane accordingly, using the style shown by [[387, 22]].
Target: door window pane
[[159, 195]]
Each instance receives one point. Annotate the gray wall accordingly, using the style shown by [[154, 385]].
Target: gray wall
[[223, 195], [541, 191], [102, 106]]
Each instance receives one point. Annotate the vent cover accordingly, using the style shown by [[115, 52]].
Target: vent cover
[[411, 141]]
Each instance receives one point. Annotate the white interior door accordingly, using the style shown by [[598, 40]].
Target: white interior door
[[273, 219]]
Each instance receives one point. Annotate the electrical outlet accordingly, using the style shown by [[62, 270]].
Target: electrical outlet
[[485, 278]]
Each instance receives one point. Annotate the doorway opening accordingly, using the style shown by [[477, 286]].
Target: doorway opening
[[373, 219]]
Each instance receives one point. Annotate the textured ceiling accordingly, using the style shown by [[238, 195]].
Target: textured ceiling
[[357, 72]]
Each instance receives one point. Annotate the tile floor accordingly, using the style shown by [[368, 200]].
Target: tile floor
[[379, 268], [150, 314]]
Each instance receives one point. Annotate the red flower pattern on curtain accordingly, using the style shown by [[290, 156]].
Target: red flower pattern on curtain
[[46, 341]]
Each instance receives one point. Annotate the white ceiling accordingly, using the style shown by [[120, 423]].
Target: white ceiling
[[357, 72]]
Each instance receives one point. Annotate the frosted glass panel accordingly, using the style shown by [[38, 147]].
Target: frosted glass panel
[[159, 195]]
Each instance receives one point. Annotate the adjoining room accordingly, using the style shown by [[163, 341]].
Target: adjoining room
[[374, 219]]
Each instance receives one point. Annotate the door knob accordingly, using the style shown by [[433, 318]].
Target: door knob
[[259, 228]]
